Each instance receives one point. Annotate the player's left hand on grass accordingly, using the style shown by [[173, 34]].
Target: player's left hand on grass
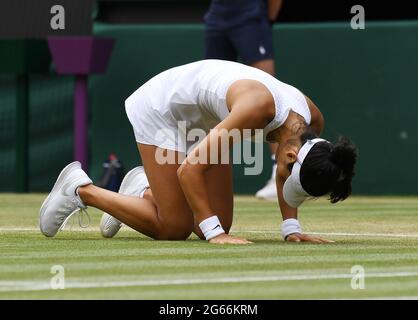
[[300, 237], [227, 239]]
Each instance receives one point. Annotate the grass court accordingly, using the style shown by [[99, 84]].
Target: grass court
[[378, 233]]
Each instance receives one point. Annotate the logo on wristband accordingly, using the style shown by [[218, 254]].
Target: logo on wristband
[[211, 227]]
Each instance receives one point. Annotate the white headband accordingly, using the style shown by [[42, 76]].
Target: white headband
[[293, 192]]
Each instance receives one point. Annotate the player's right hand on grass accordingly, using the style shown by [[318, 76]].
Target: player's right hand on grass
[[227, 239], [299, 237]]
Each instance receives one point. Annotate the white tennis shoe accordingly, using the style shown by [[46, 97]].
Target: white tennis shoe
[[63, 201], [134, 183]]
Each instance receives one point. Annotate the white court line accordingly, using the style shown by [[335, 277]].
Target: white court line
[[395, 235], [13, 229], [392, 235], [19, 229], [394, 298], [8, 286]]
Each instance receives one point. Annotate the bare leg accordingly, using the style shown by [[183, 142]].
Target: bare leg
[[138, 213], [161, 214]]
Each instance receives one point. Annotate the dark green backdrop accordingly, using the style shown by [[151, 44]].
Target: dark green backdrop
[[364, 81]]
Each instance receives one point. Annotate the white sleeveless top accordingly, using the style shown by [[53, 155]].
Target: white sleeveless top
[[196, 93]]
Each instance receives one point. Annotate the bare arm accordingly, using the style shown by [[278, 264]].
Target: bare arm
[[251, 107], [287, 211], [317, 123], [317, 119]]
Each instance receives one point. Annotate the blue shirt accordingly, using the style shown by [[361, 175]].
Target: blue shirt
[[232, 13]]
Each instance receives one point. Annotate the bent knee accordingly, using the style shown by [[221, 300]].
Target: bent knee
[[174, 233]]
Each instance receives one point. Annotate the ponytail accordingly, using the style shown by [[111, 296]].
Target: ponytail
[[328, 169], [343, 155]]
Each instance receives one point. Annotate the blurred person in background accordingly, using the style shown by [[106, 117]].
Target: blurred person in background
[[242, 29]]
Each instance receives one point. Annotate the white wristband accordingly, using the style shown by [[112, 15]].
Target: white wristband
[[211, 227], [290, 226]]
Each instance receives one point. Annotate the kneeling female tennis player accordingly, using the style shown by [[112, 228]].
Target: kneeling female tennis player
[[170, 200]]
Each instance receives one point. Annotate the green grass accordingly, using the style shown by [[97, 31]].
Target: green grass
[[132, 266]]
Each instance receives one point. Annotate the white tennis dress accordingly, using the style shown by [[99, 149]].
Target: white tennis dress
[[193, 96]]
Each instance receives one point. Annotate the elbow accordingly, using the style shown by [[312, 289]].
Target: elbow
[[321, 124], [317, 123], [188, 174], [183, 172]]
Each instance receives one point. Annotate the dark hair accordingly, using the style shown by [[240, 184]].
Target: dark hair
[[328, 168]]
